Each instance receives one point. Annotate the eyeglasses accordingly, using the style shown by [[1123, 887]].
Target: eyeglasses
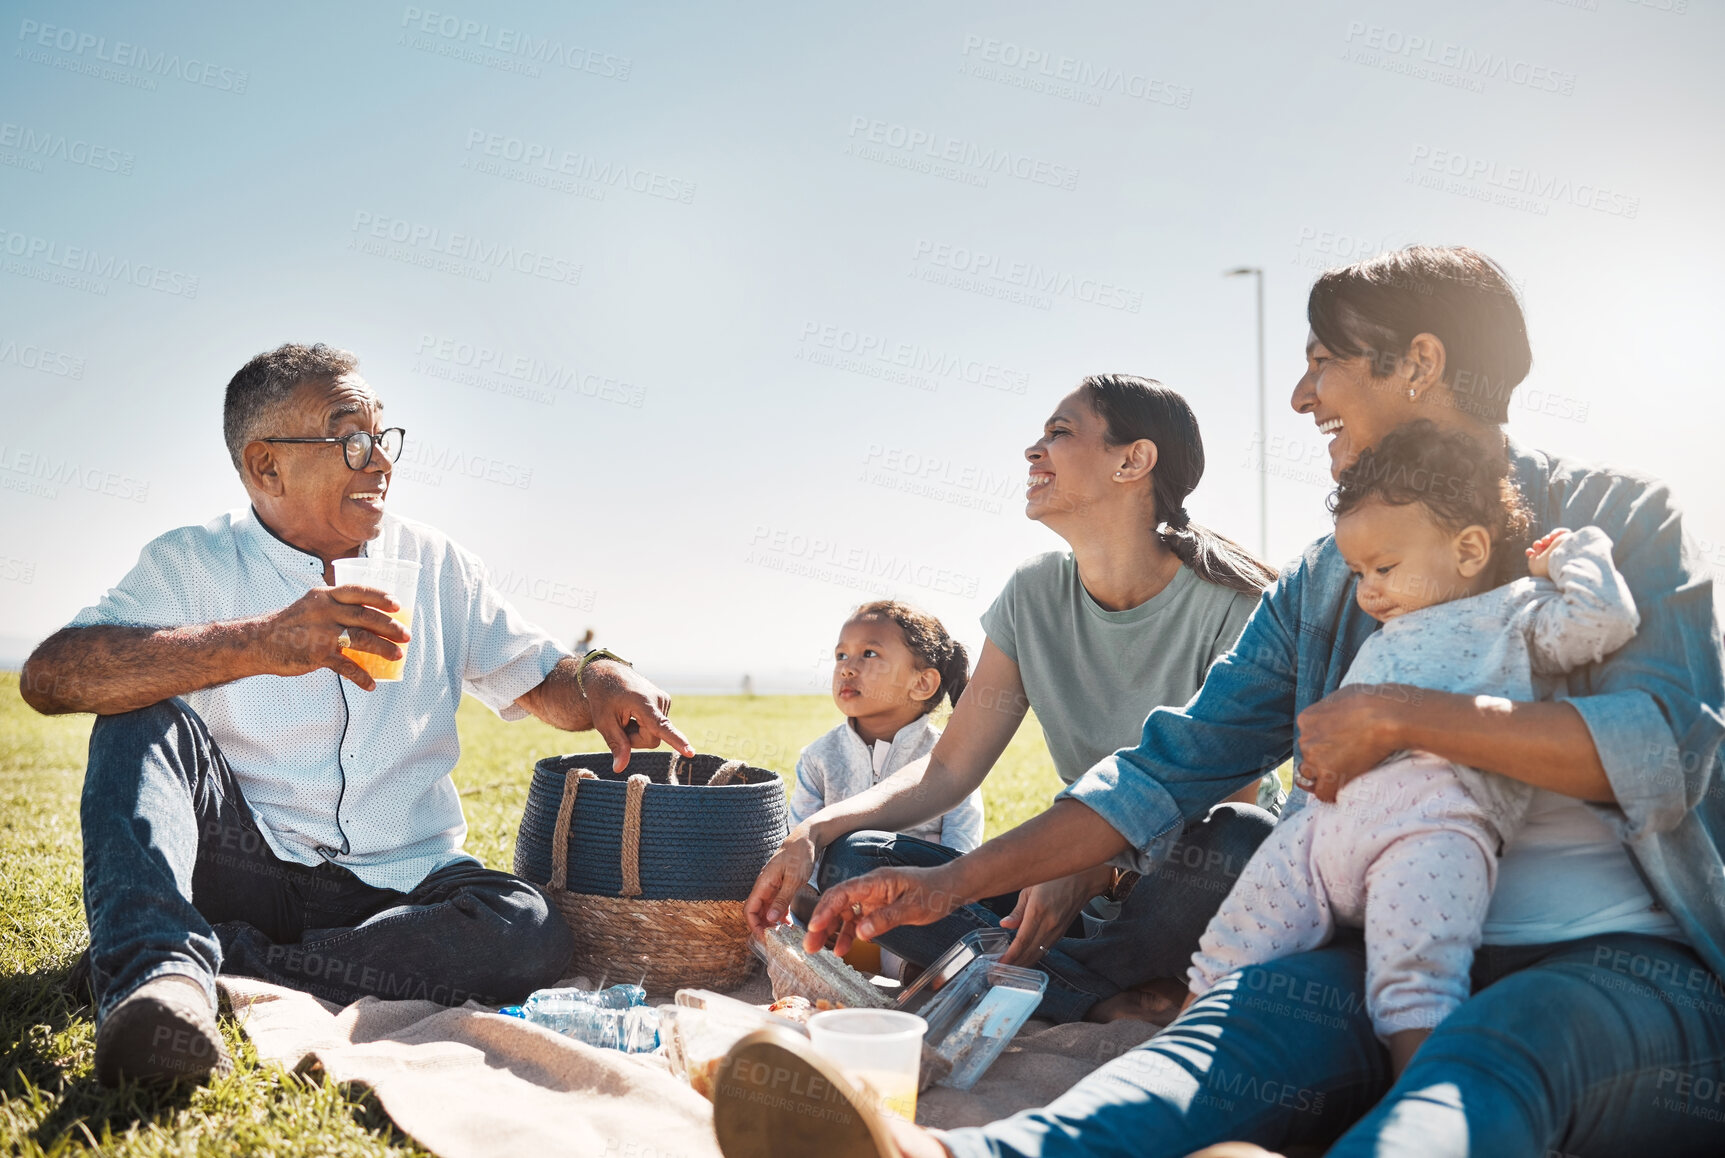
[[358, 446]]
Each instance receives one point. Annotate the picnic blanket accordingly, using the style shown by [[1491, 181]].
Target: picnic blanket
[[467, 1083]]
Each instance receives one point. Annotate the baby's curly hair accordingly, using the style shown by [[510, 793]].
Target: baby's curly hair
[[1449, 473]]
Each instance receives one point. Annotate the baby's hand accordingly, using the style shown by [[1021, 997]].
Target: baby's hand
[[1539, 555]]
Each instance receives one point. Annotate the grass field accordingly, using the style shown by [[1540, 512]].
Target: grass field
[[49, 1100]]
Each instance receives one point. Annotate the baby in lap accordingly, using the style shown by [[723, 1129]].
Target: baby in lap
[[1427, 522]]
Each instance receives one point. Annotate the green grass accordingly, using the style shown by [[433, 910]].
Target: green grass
[[49, 1100]]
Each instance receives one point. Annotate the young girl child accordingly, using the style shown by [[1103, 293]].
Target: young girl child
[[1410, 849], [891, 668]]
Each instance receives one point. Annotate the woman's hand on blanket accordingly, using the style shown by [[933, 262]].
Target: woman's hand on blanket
[[1044, 911], [886, 898], [779, 881], [1349, 732]]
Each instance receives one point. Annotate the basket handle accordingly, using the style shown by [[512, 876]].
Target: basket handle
[[726, 773], [560, 835], [631, 843]]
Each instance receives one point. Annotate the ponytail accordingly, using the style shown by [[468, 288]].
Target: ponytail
[[954, 676], [1214, 557], [930, 645], [1133, 408]]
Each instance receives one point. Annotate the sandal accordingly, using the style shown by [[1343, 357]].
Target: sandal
[[774, 1097]]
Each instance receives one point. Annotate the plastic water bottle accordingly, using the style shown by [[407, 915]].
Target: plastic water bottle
[[634, 1030], [615, 1018], [616, 997]]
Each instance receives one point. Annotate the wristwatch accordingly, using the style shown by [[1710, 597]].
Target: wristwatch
[[596, 654], [1124, 879]]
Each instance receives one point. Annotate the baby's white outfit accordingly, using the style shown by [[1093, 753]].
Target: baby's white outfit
[[839, 765], [1410, 849]]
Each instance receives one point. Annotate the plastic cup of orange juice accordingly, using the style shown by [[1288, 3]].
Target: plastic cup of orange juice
[[399, 578], [879, 1050]]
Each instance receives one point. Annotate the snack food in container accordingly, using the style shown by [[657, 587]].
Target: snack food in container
[[702, 1026], [820, 977], [975, 1016]]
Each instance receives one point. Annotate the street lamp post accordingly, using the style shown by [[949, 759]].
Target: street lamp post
[[1263, 419]]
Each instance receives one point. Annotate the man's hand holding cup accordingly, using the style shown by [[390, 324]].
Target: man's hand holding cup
[[308, 633]]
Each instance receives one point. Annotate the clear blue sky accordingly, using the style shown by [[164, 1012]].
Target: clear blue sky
[[680, 303]]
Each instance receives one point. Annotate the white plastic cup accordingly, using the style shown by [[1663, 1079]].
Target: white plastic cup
[[879, 1050], [399, 579]]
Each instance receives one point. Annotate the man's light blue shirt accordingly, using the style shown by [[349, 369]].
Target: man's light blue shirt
[[330, 771]]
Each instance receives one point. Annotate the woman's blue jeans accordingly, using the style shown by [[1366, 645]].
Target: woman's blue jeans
[[1609, 1046], [177, 879], [1153, 937]]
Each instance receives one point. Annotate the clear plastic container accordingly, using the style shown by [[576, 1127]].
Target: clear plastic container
[[702, 1026], [968, 948], [973, 1004], [975, 1015]]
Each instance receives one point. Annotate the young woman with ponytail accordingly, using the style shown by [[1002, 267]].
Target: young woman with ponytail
[[1127, 618]]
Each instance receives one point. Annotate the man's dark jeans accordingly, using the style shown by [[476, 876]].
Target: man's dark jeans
[[177, 879]]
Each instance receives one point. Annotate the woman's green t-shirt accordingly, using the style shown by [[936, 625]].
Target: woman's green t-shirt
[[1092, 675]]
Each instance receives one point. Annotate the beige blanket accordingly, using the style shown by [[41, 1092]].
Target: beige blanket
[[466, 1083]]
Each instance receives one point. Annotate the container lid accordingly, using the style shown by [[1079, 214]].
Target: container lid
[[946, 967]]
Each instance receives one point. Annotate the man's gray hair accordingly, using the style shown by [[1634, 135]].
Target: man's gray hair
[[267, 380]]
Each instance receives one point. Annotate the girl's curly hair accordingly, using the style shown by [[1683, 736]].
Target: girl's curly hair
[[1458, 481], [929, 643]]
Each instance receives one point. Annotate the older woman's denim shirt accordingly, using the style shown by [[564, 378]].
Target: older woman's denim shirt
[[1653, 707]]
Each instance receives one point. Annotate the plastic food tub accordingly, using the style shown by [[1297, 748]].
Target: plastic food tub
[[701, 1027], [975, 1016]]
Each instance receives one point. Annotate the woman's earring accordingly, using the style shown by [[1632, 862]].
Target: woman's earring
[[1411, 394]]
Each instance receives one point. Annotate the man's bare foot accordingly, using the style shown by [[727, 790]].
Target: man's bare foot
[[1157, 1002]]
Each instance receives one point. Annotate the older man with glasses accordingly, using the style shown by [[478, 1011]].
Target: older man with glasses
[[256, 802]]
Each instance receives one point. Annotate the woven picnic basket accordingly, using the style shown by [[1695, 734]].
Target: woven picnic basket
[[650, 868]]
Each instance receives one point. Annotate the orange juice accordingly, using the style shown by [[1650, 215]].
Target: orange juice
[[384, 669], [879, 1050], [894, 1091]]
